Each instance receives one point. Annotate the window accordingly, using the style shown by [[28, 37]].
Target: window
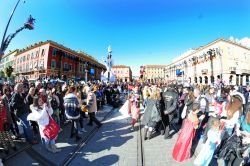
[[43, 52], [17, 60], [70, 67], [28, 56], [80, 69], [41, 63], [24, 58], [53, 64], [54, 52], [35, 65], [21, 59], [27, 67], [32, 56], [37, 54], [65, 66], [31, 65]]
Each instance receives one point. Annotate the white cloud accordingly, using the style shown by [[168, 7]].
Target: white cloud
[[245, 41]]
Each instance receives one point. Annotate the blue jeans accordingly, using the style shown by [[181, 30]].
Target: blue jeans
[[26, 127], [49, 142]]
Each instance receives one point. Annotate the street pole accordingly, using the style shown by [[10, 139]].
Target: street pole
[[109, 61], [7, 26], [86, 75], [6, 40]]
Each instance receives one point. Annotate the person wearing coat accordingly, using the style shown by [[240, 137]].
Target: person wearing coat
[[5, 136], [41, 113], [152, 113], [170, 100], [92, 107], [22, 110], [72, 111]]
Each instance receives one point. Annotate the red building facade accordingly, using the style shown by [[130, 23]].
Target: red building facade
[[50, 59]]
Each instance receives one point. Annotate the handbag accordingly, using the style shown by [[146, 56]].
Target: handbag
[[84, 108], [52, 129]]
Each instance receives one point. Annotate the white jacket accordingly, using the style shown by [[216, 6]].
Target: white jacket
[[40, 116]]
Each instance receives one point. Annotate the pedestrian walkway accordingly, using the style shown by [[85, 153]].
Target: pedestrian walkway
[[64, 142], [114, 144]]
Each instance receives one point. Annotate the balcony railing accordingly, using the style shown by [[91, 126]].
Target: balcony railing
[[245, 71]]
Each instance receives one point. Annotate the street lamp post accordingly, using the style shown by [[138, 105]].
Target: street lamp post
[[86, 73], [6, 40], [109, 61]]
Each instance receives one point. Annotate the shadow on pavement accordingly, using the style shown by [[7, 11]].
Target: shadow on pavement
[[102, 161]]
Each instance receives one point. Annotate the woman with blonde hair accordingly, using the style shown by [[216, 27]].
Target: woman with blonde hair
[[152, 113]]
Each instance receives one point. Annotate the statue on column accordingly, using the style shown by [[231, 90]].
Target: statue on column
[[108, 75]]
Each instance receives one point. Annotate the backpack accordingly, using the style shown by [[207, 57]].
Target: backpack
[[54, 104]]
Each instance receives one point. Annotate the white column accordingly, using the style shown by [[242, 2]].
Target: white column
[[244, 82]]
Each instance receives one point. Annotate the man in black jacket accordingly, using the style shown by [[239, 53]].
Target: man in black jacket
[[169, 110], [22, 111]]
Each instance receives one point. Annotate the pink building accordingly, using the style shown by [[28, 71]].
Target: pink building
[[123, 73]]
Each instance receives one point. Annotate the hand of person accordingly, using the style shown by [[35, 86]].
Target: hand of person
[[245, 153]]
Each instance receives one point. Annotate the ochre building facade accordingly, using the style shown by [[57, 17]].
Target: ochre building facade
[[219, 60]]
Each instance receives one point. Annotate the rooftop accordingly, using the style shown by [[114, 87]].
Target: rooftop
[[120, 66]]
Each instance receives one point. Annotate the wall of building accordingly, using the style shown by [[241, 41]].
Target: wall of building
[[37, 61], [122, 73], [228, 60]]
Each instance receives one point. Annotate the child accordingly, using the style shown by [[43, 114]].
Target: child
[[207, 151], [182, 148]]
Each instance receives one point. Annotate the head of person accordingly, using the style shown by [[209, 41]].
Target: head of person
[[32, 91], [6, 90], [18, 88], [197, 92], [196, 108], [215, 124], [234, 104], [71, 89], [211, 90], [38, 101]]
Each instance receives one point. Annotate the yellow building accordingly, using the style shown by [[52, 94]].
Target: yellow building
[[154, 73], [219, 59]]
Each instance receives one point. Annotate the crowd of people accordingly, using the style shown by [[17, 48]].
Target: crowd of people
[[41, 109], [216, 115]]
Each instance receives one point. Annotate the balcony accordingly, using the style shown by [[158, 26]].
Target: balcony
[[245, 71]]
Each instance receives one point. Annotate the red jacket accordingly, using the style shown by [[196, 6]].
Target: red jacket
[[3, 117]]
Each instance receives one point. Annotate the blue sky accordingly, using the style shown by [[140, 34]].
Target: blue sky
[[139, 31]]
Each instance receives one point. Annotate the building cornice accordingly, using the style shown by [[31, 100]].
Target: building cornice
[[5, 55], [208, 45]]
